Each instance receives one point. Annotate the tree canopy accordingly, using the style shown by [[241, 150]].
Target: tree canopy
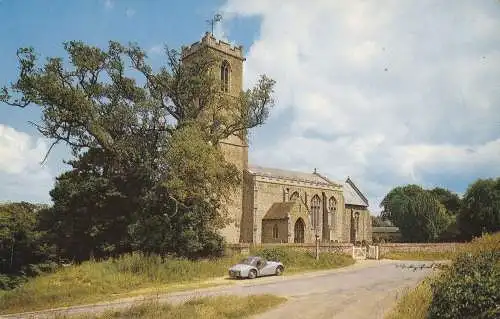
[[22, 244], [147, 171], [480, 208], [418, 214], [450, 200]]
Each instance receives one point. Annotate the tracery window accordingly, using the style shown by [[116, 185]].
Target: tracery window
[[332, 204], [294, 196], [225, 71], [315, 210]]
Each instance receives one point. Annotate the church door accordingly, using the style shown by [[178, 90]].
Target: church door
[[299, 231]]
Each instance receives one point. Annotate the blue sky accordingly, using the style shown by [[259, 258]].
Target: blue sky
[[387, 93]]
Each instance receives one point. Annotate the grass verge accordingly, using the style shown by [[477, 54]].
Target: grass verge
[[137, 274], [414, 304], [420, 255], [207, 308], [467, 288]]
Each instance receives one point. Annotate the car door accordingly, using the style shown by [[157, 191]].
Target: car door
[[267, 268]]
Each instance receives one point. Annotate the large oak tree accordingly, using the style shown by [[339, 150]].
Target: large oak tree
[[147, 171]]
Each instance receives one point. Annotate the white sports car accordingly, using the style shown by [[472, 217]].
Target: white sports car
[[252, 267]]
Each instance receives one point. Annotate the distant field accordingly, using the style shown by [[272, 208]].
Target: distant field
[[137, 274]]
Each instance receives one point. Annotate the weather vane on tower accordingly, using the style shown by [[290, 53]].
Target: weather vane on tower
[[216, 18]]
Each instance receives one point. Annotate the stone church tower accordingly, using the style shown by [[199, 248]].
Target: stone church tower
[[235, 148], [273, 205]]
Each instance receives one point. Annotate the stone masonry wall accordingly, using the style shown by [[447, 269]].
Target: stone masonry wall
[[365, 225], [269, 192], [244, 248], [267, 231], [247, 222], [410, 247]]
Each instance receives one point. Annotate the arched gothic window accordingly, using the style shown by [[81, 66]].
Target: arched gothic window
[[332, 205], [315, 210], [225, 72], [294, 196], [275, 231]]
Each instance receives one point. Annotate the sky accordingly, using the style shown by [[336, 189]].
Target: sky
[[386, 92]]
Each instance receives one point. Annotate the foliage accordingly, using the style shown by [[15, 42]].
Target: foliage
[[470, 288], [298, 260], [23, 251], [450, 200], [147, 171], [481, 208], [137, 273], [208, 308], [417, 213], [414, 304]]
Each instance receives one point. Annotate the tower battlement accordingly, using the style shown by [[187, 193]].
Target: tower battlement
[[219, 45]]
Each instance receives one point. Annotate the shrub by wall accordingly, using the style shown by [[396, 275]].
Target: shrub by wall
[[470, 287]]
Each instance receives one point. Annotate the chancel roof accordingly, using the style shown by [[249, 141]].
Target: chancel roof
[[290, 175], [352, 195]]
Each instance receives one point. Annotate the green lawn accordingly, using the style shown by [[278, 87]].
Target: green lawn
[[137, 274]]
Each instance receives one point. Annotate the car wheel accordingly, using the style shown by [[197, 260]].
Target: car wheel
[[279, 271], [252, 274]]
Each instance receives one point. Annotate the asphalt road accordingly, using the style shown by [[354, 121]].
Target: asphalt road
[[367, 289]]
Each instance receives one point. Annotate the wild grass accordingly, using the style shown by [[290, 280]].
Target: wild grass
[[421, 255], [138, 274], [414, 304], [418, 303], [207, 308], [298, 261]]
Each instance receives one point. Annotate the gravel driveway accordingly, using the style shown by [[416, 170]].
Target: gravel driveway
[[365, 290]]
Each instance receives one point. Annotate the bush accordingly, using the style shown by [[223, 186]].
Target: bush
[[274, 254], [8, 282], [470, 287]]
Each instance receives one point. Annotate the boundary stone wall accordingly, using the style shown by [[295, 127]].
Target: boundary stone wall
[[410, 247], [243, 248]]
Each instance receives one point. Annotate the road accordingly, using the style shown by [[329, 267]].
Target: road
[[367, 289]]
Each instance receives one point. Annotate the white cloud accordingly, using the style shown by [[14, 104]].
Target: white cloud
[[109, 4], [386, 92], [130, 12], [21, 174]]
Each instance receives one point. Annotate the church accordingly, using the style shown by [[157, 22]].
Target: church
[[282, 206]]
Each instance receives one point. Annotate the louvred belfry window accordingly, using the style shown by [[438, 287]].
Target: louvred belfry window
[[225, 72]]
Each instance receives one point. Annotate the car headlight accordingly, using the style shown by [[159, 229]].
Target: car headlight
[[234, 273]]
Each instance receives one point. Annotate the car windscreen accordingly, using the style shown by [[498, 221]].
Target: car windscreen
[[248, 261]]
